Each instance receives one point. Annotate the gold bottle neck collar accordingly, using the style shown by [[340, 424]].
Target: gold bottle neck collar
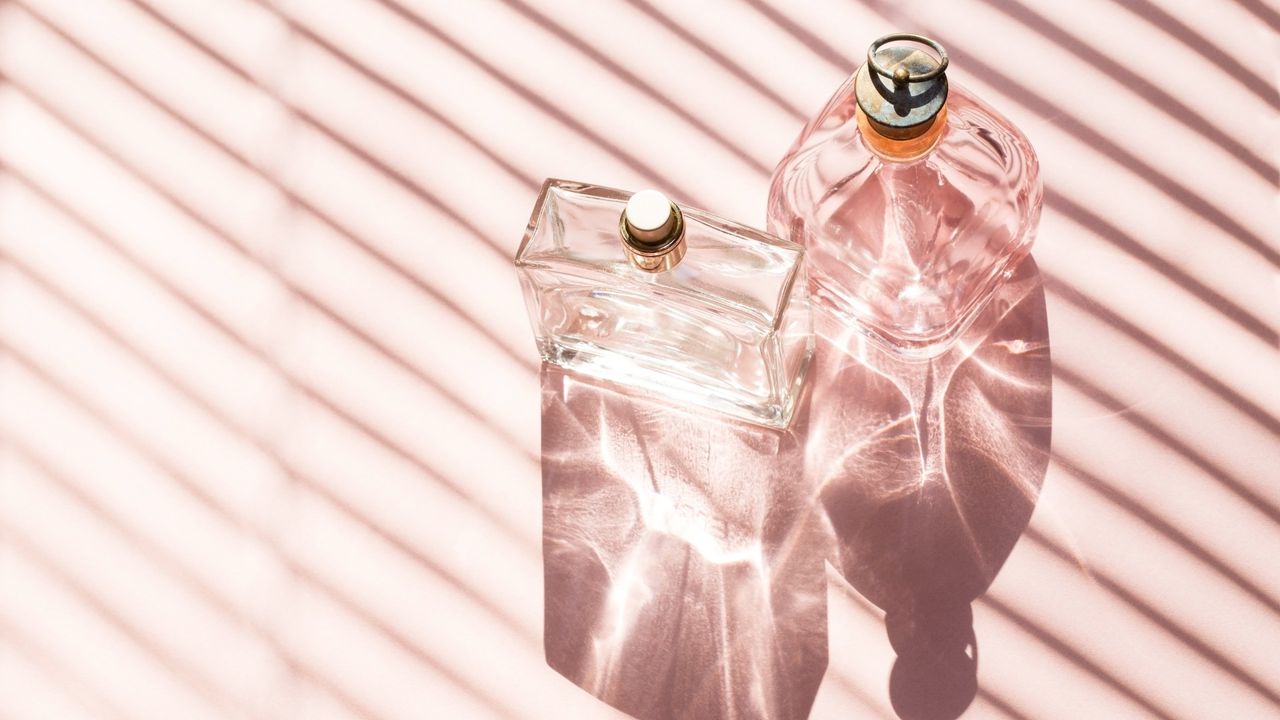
[[653, 243]]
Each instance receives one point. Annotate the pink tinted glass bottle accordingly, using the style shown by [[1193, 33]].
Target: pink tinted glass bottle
[[914, 200]]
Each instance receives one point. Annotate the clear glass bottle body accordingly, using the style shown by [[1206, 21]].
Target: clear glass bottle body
[[728, 328], [909, 248]]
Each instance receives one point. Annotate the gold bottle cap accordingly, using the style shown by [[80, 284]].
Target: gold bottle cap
[[901, 89], [652, 230]]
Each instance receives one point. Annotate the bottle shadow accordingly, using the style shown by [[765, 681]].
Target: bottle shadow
[[928, 472], [684, 562]]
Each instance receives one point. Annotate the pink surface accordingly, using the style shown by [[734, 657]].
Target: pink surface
[[685, 573], [269, 409]]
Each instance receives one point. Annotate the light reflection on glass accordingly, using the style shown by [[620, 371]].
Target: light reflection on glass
[[685, 552], [928, 474], [685, 573]]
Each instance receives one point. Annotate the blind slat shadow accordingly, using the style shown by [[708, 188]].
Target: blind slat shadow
[[848, 686], [1166, 529], [351, 236], [1202, 46], [1089, 305], [398, 177], [1175, 190], [1185, 197], [1065, 650], [230, 335], [1001, 704], [633, 80], [1175, 109], [1151, 428], [531, 97], [261, 444], [141, 448], [16, 641], [1129, 245], [384, 83], [314, 302], [180, 670], [1260, 10], [1037, 104], [718, 58], [1188, 638], [174, 568]]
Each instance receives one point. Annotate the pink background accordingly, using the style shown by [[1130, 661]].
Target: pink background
[[269, 406]]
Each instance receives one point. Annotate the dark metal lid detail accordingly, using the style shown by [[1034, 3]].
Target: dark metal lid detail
[[901, 89]]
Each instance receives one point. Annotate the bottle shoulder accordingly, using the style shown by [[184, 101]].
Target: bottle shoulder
[[980, 151], [574, 235]]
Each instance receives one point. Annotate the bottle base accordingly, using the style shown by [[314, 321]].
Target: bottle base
[[922, 346], [605, 365]]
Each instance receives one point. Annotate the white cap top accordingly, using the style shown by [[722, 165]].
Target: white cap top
[[648, 210]]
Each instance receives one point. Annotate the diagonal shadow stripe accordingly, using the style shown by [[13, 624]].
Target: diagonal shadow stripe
[[1037, 104], [179, 669], [325, 219], [232, 336], [1260, 10], [264, 446], [1173, 189], [1165, 438], [1171, 533], [314, 302], [169, 565], [1086, 304], [1127, 244], [14, 639], [1175, 109], [630, 78], [1164, 622], [1001, 704], [1075, 657], [418, 191], [529, 96], [404, 644], [847, 686], [719, 58], [141, 448], [261, 355], [368, 74], [1133, 248], [1199, 44]]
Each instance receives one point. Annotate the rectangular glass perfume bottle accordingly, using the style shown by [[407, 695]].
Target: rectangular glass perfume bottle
[[633, 289]]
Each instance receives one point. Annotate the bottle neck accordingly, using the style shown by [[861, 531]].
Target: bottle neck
[[902, 150]]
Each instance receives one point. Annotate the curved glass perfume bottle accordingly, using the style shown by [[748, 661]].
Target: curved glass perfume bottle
[[913, 199], [634, 289]]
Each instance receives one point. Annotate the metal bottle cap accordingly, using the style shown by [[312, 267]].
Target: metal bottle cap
[[902, 89], [652, 230]]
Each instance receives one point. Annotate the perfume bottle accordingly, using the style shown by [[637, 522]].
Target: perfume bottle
[[913, 198], [632, 288]]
